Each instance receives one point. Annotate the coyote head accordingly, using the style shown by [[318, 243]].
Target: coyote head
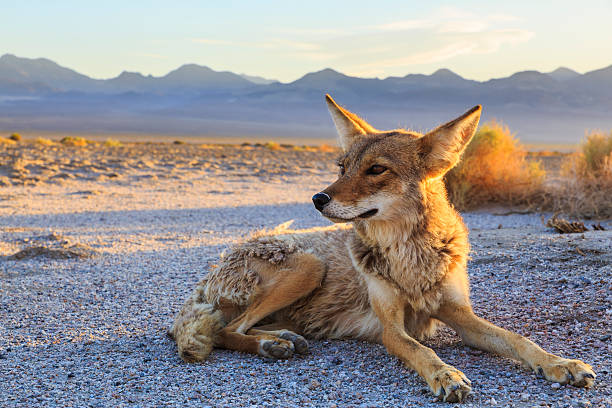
[[386, 174]]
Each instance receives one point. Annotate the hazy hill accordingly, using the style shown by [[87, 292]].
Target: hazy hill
[[553, 107]]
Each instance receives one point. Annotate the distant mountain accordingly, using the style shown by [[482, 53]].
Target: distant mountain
[[43, 71], [563, 74], [541, 107], [187, 78]]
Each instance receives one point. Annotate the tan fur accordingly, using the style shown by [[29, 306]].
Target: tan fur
[[390, 277]]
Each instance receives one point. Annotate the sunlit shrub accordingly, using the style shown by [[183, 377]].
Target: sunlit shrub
[[75, 141], [586, 185], [112, 143], [494, 170]]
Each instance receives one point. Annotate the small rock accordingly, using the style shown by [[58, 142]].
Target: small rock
[[556, 386], [492, 401], [584, 403], [525, 397], [314, 384]]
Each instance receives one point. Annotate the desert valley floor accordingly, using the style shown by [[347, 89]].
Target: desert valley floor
[[100, 245]]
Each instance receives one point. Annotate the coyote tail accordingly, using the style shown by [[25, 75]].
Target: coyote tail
[[196, 327]]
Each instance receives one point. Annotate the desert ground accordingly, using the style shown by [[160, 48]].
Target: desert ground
[[100, 246]]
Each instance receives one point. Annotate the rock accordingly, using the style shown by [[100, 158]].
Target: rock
[[314, 384], [556, 386], [525, 397]]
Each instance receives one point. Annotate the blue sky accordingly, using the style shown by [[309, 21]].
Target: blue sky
[[284, 40]]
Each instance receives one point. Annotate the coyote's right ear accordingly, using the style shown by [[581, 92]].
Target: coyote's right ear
[[442, 147], [350, 127]]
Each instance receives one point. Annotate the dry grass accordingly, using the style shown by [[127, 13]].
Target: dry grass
[[44, 142], [112, 143], [6, 141], [494, 170], [75, 141], [586, 186], [272, 146]]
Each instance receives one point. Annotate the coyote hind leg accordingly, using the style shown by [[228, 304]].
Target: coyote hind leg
[[280, 286], [300, 344]]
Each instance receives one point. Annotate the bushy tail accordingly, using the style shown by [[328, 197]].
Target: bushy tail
[[196, 327]]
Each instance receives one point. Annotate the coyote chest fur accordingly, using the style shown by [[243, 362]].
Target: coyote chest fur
[[392, 267]]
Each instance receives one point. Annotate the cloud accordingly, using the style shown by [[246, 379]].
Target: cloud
[[449, 20], [390, 47], [491, 42]]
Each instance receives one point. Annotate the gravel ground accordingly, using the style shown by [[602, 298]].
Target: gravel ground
[[109, 260]]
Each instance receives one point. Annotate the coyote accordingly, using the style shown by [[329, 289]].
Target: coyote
[[390, 277]]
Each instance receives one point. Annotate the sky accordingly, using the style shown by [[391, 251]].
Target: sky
[[285, 40]]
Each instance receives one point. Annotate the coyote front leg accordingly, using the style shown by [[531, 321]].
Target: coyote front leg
[[479, 333], [445, 381]]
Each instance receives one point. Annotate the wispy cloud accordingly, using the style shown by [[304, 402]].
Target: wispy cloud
[[470, 44], [449, 20], [392, 46]]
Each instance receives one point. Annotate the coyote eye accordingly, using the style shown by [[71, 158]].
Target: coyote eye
[[376, 169], [342, 170]]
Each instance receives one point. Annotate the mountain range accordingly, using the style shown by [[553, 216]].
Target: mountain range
[[39, 94]]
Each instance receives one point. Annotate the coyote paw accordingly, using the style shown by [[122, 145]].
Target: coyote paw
[[276, 348], [299, 342], [450, 384], [566, 371]]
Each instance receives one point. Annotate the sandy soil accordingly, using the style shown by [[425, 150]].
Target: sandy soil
[[99, 246]]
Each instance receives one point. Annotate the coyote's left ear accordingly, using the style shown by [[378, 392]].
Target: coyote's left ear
[[442, 147], [350, 127]]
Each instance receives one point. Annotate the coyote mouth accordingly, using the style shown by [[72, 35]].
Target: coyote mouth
[[368, 214]]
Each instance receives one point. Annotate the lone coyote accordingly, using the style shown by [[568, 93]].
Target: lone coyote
[[391, 277]]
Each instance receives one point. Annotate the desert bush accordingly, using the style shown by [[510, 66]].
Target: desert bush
[[6, 141], [43, 141], [586, 185], [494, 170], [325, 148], [75, 141], [272, 146], [112, 143], [15, 137]]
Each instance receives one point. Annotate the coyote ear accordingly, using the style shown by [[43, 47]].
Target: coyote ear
[[350, 127], [442, 147]]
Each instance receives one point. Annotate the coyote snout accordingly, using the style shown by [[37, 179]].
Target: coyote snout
[[320, 200]]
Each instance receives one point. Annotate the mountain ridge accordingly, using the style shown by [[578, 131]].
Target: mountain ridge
[[195, 99]]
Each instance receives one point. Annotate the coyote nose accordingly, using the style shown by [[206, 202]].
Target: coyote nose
[[320, 199]]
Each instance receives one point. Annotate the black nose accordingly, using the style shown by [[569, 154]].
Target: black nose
[[320, 199]]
